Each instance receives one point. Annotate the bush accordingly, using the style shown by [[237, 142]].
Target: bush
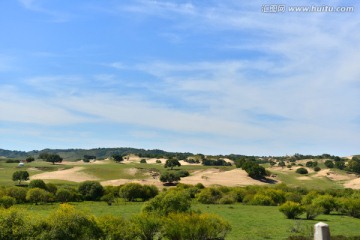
[[131, 191], [169, 177], [52, 188], [68, 223], [113, 227], [327, 202], [312, 211], [64, 195], [302, 171], [14, 224], [182, 173], [195, 226], [262, 199], [291, 209], [209, 196], [316, 169], [19, 193], [329, 164], [158, 161], [37, 183], [7, 201], [91, 190], [36, 195], [143, 161], [172, 201]]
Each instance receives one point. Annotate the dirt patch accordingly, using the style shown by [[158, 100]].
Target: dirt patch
[[73, 174], [355, 184], [235, 177]]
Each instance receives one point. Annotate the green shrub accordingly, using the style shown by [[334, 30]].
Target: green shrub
[[37, 183], [14, 224], [182, 173], [262, 199], [228, 199], [316, 169], [312, 211], [169, 177], [114, 227], [19, 193], [91, 190], [7, 201], [64, 195], [143, 160], [302, 171], [327, 202], [131, 191], [329, 164], [158, 161], [52, 188], [291, 210], [172, 201], [36, 195], [195, 226], [209, 196], [71, 224]]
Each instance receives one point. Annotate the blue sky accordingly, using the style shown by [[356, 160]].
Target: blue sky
[[213, 77]]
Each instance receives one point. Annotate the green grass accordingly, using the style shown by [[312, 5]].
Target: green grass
[[291, 178], [248, 222]]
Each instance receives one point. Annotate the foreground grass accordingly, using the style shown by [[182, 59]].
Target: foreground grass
[[248, 222]]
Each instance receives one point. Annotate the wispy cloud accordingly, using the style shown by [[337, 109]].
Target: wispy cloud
[[37, 6]]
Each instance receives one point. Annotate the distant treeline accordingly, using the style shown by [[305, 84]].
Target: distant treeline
[[102, 153]]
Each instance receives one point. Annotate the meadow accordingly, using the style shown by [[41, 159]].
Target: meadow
[[259, 222]]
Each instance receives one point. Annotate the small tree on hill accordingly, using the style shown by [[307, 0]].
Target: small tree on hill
[[117, 158], [169, 177], [171, 163], [53, 158], [30, 159], [20, 176]]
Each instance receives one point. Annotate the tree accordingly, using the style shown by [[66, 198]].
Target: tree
[[329, 164], [169, 177], [171, 163], [91, 190], [30, 159], [117, 158], [340, 164], [254, 170], [20, 176], [53, 158]]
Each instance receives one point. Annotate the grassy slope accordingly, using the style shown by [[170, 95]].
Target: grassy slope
[[245, 220]]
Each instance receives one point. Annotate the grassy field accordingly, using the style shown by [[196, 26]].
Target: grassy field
[[248, 222]]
